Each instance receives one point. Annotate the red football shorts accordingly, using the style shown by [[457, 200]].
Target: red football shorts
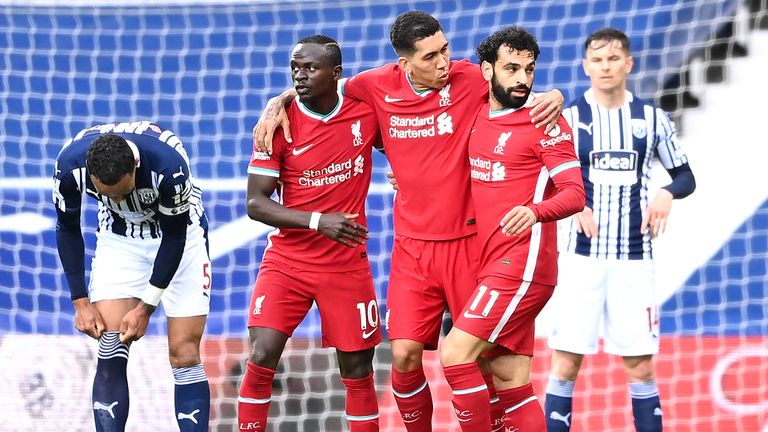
[[503, 311], [425, 278], [349, 312]]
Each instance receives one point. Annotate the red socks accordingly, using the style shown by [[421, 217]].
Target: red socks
[[497, 411], [413, 398], [523, 412], [362, 405], [255, 395], [471, 400]]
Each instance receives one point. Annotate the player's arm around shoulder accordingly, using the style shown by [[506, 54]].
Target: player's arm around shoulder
[[546, 109]]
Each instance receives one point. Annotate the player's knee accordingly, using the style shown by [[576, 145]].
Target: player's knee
[[184, 354], [261, 355], [566, 365], [357, 364], [406, 356], [639, 369], [451, 354]]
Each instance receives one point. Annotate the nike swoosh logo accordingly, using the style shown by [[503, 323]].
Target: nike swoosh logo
[[470, 315], [367, 334], [298, 151], [390, 100]]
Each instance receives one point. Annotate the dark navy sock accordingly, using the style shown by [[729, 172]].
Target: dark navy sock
[[646, 406], [192, 397], [110, 385], [558, 404]]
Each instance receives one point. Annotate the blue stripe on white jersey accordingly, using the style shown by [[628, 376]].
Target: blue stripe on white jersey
[[616, 149], [163, 179]]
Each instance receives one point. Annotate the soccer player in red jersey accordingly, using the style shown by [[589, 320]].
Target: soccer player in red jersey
[[425, 104], [317, 253], [523, 181]]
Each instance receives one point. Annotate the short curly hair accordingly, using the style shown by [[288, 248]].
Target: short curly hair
[[516, 38], [110, 158]]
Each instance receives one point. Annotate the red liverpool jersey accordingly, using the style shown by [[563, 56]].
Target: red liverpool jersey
[[515, 164], [425, 136], [326, 169]]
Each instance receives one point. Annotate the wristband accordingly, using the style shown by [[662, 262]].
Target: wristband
[[314, 220], [151, 295]]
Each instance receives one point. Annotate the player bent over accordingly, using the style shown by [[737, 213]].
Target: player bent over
[[151, 244], [523, 181], [317, 253]]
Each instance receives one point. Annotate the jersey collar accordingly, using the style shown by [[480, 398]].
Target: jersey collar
[[420, 93], [589, 95], [135, 151], [322, 117]]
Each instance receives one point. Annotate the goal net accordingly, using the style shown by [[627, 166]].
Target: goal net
[[205, 70]]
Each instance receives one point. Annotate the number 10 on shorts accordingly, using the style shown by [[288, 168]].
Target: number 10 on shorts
[[369, 315]]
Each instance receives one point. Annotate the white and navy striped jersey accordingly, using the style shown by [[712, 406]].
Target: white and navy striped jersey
[[616, 149], [164, 183]]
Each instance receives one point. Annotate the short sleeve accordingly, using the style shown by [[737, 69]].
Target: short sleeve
[[357, 86], [262, 163], [555, 148]]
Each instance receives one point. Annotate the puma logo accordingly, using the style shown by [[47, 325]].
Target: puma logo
[[586, 127], [554, 415], [100, 406], [190, 416]]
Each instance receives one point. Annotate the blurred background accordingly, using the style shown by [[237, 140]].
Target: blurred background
[[206, 69]]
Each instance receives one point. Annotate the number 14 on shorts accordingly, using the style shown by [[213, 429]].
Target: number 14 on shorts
[[653, 320]]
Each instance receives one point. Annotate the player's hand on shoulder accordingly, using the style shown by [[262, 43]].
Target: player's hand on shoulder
[[343, 228], [87, 318], [134, 324], [585, 222], [274, 116], [392, 180], [657, 213], [547, 108], [517, 221]]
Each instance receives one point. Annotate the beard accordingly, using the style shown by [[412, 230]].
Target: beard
[[504, 96]]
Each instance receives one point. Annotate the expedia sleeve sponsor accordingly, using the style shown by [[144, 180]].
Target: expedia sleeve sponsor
[[565, 136], [613, 167]]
